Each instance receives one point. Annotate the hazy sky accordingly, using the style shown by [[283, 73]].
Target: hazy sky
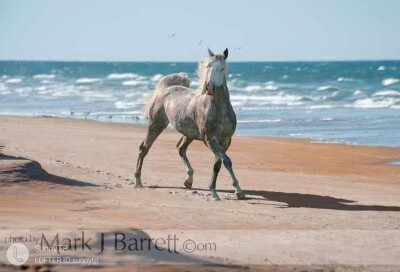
[[128, 30]]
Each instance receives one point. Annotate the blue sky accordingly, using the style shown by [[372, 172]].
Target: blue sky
[[128, 30]]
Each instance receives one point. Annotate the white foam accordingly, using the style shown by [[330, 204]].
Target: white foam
[[125, 105], [45, 81], [14, 80], [270, 86], [261, 121], [280, 99], [254, 88], [123, 76], [345, 79], [381, 68], [321, 107], [390, 81], [44, 76], [387, 93], [132, 83], [358, 92], [156, 77], [41, 88], [87, 80], [328, 88], [368, 103]]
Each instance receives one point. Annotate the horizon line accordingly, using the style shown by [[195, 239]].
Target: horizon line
[[195, 61]]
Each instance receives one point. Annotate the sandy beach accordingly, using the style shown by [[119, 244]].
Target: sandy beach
[[309, 204]]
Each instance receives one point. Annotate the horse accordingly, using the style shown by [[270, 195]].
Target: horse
[[204, 115]]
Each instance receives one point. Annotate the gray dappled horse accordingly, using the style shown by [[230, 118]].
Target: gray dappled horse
[[205, 115]]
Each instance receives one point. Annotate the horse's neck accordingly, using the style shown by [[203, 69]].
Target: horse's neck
[[221, 94]]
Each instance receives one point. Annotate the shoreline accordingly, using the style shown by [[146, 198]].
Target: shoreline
[[143, 125]]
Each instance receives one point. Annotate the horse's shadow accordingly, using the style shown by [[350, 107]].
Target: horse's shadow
[[297, 200], [33, 170]]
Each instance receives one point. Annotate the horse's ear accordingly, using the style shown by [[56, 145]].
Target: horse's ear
[[226, 53], [210, 52]]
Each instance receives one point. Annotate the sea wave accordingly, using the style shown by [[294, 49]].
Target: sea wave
[[328, 88], [260, 121], [14, 80], [254, 88], [123, 75], [280, 99], [381, 68], [387, 93], [390, 81], [44, 76], [345, 79], [125, 104], [132, 83], [156, 77], [85, 80], [369, 103], [358, 92]]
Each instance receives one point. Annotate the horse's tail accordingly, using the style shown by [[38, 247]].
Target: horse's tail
[[167, 81]]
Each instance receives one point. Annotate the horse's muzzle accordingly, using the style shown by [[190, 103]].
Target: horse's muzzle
[[210, 89]]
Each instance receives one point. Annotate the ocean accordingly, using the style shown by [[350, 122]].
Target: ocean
[[355, 102]]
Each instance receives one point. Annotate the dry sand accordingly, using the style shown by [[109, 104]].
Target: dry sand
[[309, 205]]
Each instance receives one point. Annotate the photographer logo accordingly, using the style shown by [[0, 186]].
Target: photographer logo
[[17, 254]]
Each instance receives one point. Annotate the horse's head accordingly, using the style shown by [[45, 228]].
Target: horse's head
[[215, 71]]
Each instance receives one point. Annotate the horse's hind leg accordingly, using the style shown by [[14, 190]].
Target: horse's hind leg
[[153, 131], [182, 146]]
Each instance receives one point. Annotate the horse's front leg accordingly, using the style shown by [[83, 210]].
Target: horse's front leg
[[217, 167], [220, 152]]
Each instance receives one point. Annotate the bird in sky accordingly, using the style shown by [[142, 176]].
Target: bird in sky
[[200, 42], [238, 48], [172, 35]]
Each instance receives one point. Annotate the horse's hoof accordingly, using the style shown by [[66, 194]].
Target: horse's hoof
[[216, 198], [240, 195], [187, 184], [138, 185]]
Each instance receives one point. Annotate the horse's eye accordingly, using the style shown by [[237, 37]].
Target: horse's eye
[[222, 69]]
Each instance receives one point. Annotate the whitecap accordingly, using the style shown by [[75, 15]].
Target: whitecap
[[358, 92], [280, 99], [14, 80], [390, 81], [41, 88], [373, 103], [254, 88], [156, 77], [387, 93], [270, 86], [132, 83], [345, 79], [328, 88], [125, 105], [87, 80], [321, 107], [123, 75], [45, 81], [44, 76], [260, 121], [381, 68]]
